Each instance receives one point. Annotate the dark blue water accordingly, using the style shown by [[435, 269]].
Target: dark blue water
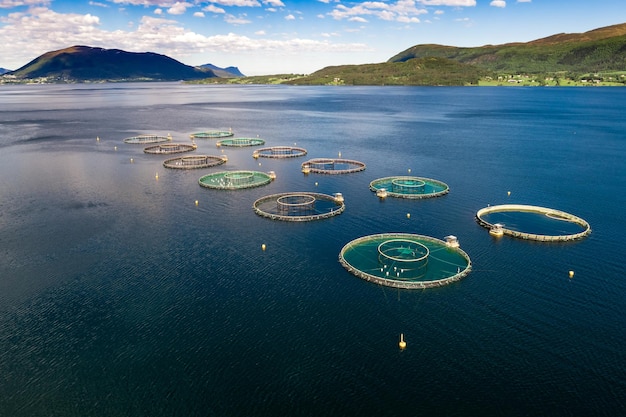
[[119, 296]]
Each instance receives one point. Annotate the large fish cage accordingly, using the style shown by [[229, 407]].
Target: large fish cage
[[332, 166], [235, 180], [195, 161], [299, 206], [408, 187]]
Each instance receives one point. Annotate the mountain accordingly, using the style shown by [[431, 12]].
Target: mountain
[[4, 71], [228, 72], [602, 49], [85, 63]]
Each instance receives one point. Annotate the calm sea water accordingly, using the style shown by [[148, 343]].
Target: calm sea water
[[119, 296]]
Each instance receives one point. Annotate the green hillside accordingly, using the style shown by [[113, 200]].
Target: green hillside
[[598, 50], [422, 71]]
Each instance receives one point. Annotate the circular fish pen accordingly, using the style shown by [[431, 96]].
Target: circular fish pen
[[332, 166], [532, 223], [144, 139], [195, 162], [212, 134], [299, 206], [241, 142], [235, 180], [279, 152], [404, 260], [408, 187], [169, 148]]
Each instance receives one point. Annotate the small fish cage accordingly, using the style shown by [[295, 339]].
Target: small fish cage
[[279, 152], [212, 134], [235, 180], [195, 162], [144, 139], [332, 166], [299, 206], [241, 142], [169, 148], [408, 187]]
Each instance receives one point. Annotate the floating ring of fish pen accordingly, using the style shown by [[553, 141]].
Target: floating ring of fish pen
[[235, 180], [169, 148], [279, 152], [144, 139], [557, 218], [332, 166], [408, 187], [299, 206], [212, 134], [195, 161], [404, 260], [241, 142]]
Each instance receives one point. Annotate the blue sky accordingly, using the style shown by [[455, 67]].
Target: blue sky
[[282, 36]]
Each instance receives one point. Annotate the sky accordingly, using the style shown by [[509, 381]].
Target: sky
[[263, 37]]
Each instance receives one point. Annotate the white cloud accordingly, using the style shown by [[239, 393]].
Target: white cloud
[[198, 14], [179, 8], [290, 17], [451, 3], [234, 20], [9, 4], [400, 11], [237, 3], [213, 9], [275, 3], [158, 11], [498, 3]]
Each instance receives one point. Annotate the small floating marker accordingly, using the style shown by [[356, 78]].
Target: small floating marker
[[259, 164], [156, 176], [97, 138], [508, 193], [409, 170], [316, 183], [263, 246], [339, 154], [402, 343], [115, 148], [132, 160], [408, 215], [571, 274], [197, 202]]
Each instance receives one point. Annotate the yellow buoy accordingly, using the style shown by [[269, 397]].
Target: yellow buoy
[[571, 274], [508, 193], [263, 246], [157, 176], [408, 215], [197, 202], [402, 343]]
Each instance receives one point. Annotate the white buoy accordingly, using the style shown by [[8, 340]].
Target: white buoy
[[316, 183], [132, 160], [263, 246], [571, 274], [97, 138], [508, 193], [408, 215], [402, 343], [156, 176], [409, 170], [197, 202], [115, 148], [339, 154]]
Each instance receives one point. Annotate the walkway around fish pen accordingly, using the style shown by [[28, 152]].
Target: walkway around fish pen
[[558, 214]]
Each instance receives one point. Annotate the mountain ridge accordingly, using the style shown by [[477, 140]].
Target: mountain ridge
[[86, 63]]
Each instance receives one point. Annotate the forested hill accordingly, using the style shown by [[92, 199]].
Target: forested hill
[[602, 49], [84, 63]]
